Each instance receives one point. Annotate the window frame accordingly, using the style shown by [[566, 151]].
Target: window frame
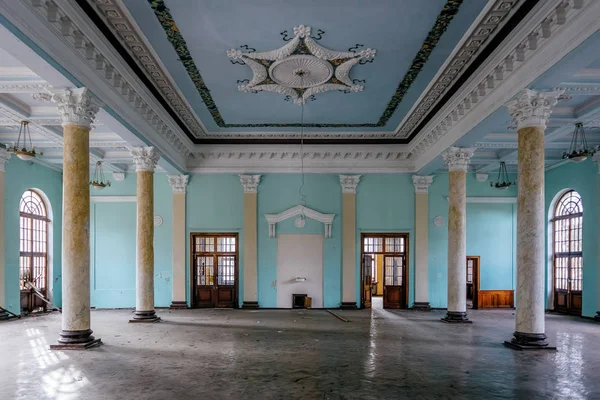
[[31, 241], [566, 220]]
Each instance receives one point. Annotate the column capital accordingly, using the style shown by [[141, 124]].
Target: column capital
[[75, 106], [4, 157], [178, 183], [422, 183], [457, 158], [349, 183], [145, 158], [532, 108], [250, 183], [596, 158]]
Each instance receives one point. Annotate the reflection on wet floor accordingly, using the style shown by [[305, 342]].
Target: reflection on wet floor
[[300, 354]]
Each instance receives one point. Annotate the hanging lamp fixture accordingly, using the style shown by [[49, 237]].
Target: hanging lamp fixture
[[301, 219], [99, 181], [579, 150], [502, 183], [24, 148]]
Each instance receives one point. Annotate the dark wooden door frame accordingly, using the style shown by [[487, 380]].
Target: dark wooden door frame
[[193, 264], [476, 282], [406, 236]]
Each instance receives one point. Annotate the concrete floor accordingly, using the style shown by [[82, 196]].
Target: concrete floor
[[289, 354]]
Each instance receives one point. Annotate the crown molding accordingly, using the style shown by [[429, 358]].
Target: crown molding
[[553, 28]]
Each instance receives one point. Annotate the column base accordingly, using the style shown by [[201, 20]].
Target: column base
[[250, 305], [456, 317], [145, 316], [597, 316], [178, 305], [76, 340], [529, 341], [421, 306], [348, 305]]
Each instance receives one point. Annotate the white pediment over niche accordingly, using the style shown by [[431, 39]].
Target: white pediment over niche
[[326, 219]]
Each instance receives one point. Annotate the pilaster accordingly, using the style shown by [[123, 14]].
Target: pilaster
[[179, 185], [250, 184], [422, 184], [597, 161], [349, 184], [4, 157]]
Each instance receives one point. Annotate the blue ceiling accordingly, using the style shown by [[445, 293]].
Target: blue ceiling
[[395, 28]]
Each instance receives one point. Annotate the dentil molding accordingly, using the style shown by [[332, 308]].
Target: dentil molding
[[178, 183], [273, 219], [422, 183], [349, 183], [457, 158], [250, 183], [532, 108], [75, 106], [145, 158]]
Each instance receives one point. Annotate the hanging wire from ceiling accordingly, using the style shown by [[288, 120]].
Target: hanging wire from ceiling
[[300, 189]]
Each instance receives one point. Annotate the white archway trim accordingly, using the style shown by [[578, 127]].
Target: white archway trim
[[50, 245], [273, 219]]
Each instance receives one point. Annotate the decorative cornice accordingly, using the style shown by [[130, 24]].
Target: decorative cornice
[[250, 183], [75, 106], [457, 158], [349, 183], [422, 183], [532, 108], [178, 183], [273, 219], [4, 157], [145, 158], [118, 176], [23, 87]]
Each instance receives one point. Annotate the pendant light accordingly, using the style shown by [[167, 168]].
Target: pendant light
[[24, 148], [579, 150], [99, 181], [502, 183]]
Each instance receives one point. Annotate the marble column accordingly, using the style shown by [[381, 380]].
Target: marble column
[[250, 184], [178, 184], [4, 157], [422, 184], [530, 111], [457, 159], [597, 160], [349, 184], [145, 159], [77, 110]]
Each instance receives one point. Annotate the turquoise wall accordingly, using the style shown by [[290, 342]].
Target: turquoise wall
[[491, 234], [582, 178], [19, 177], [113, 245]]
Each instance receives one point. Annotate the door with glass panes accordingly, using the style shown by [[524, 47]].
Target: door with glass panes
[[215, 270]]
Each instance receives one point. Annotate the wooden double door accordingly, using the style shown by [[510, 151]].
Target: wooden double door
[[215, 270]]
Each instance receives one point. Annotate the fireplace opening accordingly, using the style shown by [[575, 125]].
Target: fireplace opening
[[299, 300]]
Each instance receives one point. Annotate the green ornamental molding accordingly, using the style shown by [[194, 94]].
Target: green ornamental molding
[[180, 46]]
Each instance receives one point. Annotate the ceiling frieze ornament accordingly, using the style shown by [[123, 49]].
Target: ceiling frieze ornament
[[4, 157], [118, 176], [178, 183], [75, 106], [422, 183], [349, 183], [145, 158], [23, 87], [301, 68], [457, 158], [250, 183], [532, 108]]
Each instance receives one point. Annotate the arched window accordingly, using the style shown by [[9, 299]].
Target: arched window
[[33, 243], [568, 253]]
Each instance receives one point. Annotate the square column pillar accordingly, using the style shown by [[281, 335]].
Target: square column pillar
[[349, 184], [531, 110], [250, 184], [178, 184], [4, 157], [422, 184]]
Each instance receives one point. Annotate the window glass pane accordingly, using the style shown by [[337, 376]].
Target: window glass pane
[[205, 270], [205, 244], [226, 270], [373, 245], [394, 245], [33, 227], [226, 244], [393, 271]]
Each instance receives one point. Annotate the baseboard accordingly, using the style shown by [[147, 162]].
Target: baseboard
[[347, 305], [421, 306], [178, 305], [250, 305]]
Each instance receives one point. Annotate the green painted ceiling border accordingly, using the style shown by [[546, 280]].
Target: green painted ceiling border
[[180, 46]]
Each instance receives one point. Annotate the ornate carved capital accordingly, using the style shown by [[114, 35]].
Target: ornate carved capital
[[4, 157], [349, 183], [75, 106], [532, 108], [145, 158], [457, 158], [250, 183], [422, 183], [178, 183]]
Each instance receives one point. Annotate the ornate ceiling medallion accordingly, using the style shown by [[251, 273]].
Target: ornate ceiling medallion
[[301, 68]]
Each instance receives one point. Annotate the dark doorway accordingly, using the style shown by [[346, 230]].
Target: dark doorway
[[473, 282], [214, 262]]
